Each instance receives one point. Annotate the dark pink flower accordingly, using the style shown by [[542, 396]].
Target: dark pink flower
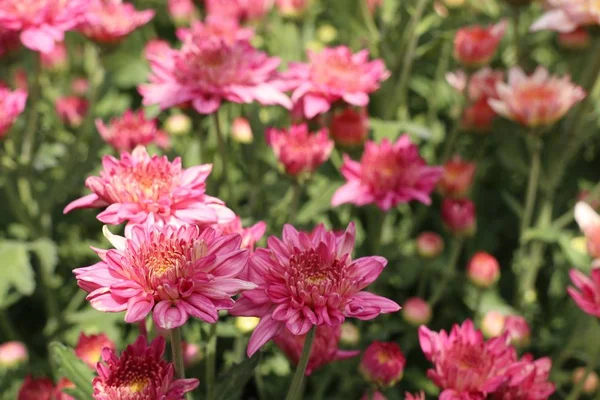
[[586, 292], [139, 373], [526, 379], [474, 46], [383, 364], [459, 216], [239, 10], [350, 127], [388, 174], [89, 348], [249, 235], [43, 389], [416, 396], [308, 280], [9, 41], [108, 21], [457, 178], [130, 130], [12, 104], [518, 330], [71, 110]]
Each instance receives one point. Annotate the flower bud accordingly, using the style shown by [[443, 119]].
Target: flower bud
[[416, 311], [178, 124], [241, 131], [475, 46], [57, 60], [590, 386], [459, 216], [483, 270], [478, 117], [492, 324], [71, 110], [292, 8], [191, 354], [579, 39], [350, 334], [518, 330], [12, 354], [457, 178], [80, 86], [182, 12], [429, 245], [350, 127], [383, 364], [89, 348], [377, 395], [372, 5], [246, 324]]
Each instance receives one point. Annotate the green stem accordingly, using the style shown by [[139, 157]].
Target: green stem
[[260, 384], [376, 219], [450, 143], [52, 307], [457, 246], [211, 359], [591, 365], [8, 330], [298, 379], [33, 100], [532, 184], [517, 34], [177, 352], [222, 148], [296, 194]]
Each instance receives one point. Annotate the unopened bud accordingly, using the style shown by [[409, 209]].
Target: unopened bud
[[483, 270], [459, 216], [350, 334], [241, 131], [518, 330], [590, 386], [178, 124], [492, 324], [429, 245], [12, 354], [416, 311]]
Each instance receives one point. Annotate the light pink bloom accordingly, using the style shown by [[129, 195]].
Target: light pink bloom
[[139, 373], [12, 104], [383, 364], [475, 46], [9, 41], [416, 311], [228, 30], [71, 110], [586, 292], [157, 48], [332, 75], [526, 379], [241, 130], [238, 9], [518, 330], [249, 235], [536, 100], [41, 23], [130, 130], [388, 174], [182, 11], [308, 280], [298, 150], [568, 15], [108, 21], [89, 348], [13, 354], [292, 8], [324, 349], [429, 244], [139, 186], [589, 223], [172, 272]]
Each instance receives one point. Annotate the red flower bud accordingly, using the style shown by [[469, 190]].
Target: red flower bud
[[383, 364], [483, 270], [429, 244], [459, 216]]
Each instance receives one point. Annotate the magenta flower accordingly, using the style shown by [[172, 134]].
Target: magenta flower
[[249, 235], [526, 379], [415, 396], [332, 75], [130, 130], [12, 104], [586, 292], [172, 272], [139, 373], [383, 364], [108, 21], [388, 174], [139, 186], [298, 150], [308, 280], [324, 349]]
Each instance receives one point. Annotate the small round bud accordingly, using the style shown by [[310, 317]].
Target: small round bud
[[459, 216], [13, 354], [350, 334], [383, 364], [241, 131], [457, 178], [518, 330], [429, 245], [416, 311], [590, 386], [178, 124], [483, 270], [492, 324]]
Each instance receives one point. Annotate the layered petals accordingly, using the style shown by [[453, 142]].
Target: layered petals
[[130, 130], [109, 21], [12, 104]]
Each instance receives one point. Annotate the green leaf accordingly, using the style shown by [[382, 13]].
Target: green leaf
[[47, 252], [232, 382], [74, 369], [318, 203], [16, 269], [547, 235]]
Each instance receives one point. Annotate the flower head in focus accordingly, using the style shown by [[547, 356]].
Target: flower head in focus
[[388, 174], [309, 279], [475, 46], [383, 364], [130, 130], [109, 21], [586, 292], [139, 373], [568, 15], [526, 379], [89, 348], [12, 104], [589, 223], [249, 235], [71, 110]]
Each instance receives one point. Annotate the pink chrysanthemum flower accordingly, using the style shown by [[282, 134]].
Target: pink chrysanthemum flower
[[249, 235], [465, 365], [526, 379], [324, 349], [228, 30], [298, 150], [44, 389], [130, 130], [388, 174], [568, 15], [332, 75], [589, 223], [172, 272], [89, 348], [308, 280], [41, 23], [138, 186], [586, 292], [536, 100], [475, 46], [383, 364], [139, 373], [71, 110], [108, 21], [12, 104]]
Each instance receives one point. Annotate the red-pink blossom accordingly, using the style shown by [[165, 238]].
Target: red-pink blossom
[[457, 177], [249, 235], [376, 395], [383, 364], [478, 117], [579, 39], [43, 389], [239, 10], [13, 354], [308, 280], [459, 216], [416, 311], [171, 272], [12, 104], [298, 150], [483, 270], [388, 174], [138, 186], [157, 48], [416, 396], [130, 130], [139, 373], [429, 244], [518, 330], [589, 223], [333, 75], [474, 46], [108, 21], [182, 11], [89, 348], [568, 15], [71, 110], [350, 127], [586, 292], [526, 379]]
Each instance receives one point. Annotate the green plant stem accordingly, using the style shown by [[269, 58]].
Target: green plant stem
[[260, 384], [298, 379], [33, 98], [296, 194], [177, 352], [376, 219], [516, 18], [591, 365], [450, 143], [450, 271], [222, 153], [8, 330], [532, 184], [211, 359]]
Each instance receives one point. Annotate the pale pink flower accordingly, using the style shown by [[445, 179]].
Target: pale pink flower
[[157, 48], [377, 395], [12, 104], [416, 311], [228, 30], [590, 386], [308, 280], [526, 379], [586, 292], [108, 21], [324, 349], [249, 235], [383, 364], [241, 130], [568, 15], [475, 46], [429, 244], [171, 272], [536, 100], [89, 348], [13, 354], [589, 223], [41, 23], [71, 110], [138, 186], [388, 174], [238, 9], [130, 130], [141, 372], [298, 150], [332, 75], [9, 41], [182, 11]]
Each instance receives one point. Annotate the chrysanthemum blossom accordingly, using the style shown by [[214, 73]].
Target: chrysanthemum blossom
[[324, 349], [228, 30], [89, 348], [568, 15], [12, 104], [465, 365], [459, 216], [130, 130], [526, 379], [171, 272], [586, 292], [383, 364], [43, 389], [537, 100], [137, 186], [41, 23], [589, 223], [109, 21], [388, 174], [249, 235], [457, 177], [141, 372], [332, 75], [71, 110], [308, 280], [475, 46], [298, 150]]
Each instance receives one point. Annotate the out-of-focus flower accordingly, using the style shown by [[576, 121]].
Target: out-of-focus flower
[[484, 84], [518, 330], [55, 60], [12, 104], [526, 379], [568, 15], [308, 280], [89, 348], [376, 395], [590, 386], [182, 12], [457, 178], [536, 100], [372, 5], [429, 244], [9, 41], [332, 75], [41, 23], [238, 10], [483, 270], [589, 223], [350, 334], [416, 396], [388, 174], [292, 8], [171, 272], [416, 311], [228, 30], [350, 127], [587, 291], [579, 39], [478, 117], [140, 372], [249, 235], [178, 124], [20, 79], [246, 324], [324, 349], [130, 130], [80, 86], [465, 365], [475, 46], [519, 3], [13, 354], [383, 364], [191, 354], [454, 3], [43, 389], [138, 186], [327, 33], [71, 110], [298, 150], [157, 48], [109, 21], [459, 216], [591, 198], [241, 131], [492, 324]]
